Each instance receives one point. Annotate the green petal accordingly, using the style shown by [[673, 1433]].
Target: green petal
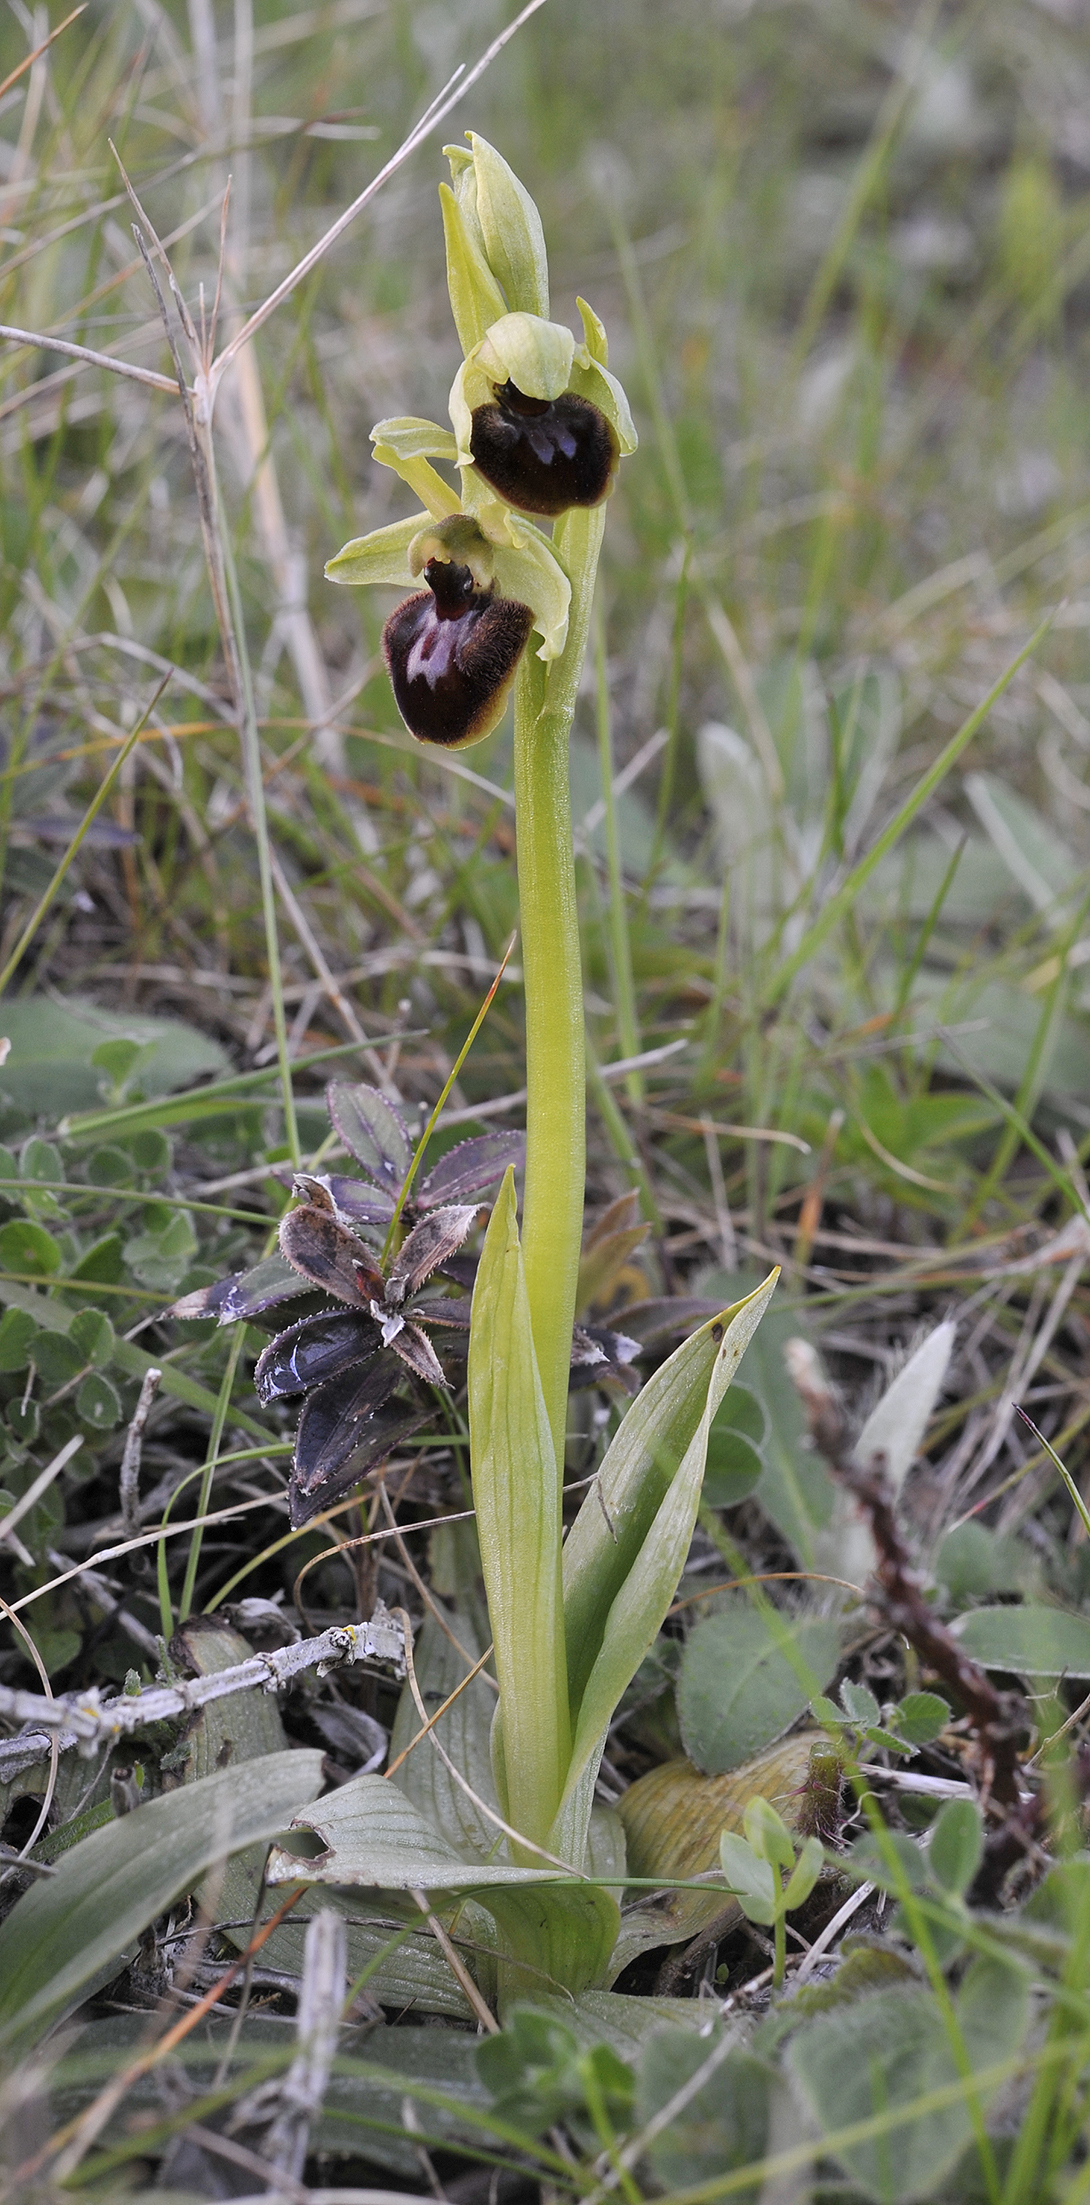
[[402, 444], [409, 438], [594, 333], [514, 240], [591, 380], [381, 557]]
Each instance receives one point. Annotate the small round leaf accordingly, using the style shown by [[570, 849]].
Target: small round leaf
[[98, 1404]]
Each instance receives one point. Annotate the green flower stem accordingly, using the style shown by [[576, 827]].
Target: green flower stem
[[552, 1225]]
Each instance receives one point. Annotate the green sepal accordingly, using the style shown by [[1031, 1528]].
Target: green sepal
[[516, 1492], [383, 556], [514, 241], [475, 296], [637, 1474], [407, 436]]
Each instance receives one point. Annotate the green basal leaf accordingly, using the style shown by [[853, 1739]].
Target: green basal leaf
[[627, 1547], [516, 1491], [552, 1940], [636, 1475], [464, 1734], [551, 1936], [64, 1933]]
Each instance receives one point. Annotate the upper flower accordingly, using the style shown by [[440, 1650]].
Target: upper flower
[[539, 427]]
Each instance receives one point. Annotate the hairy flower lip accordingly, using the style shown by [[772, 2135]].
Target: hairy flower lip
[[544, 455], [452, 651]]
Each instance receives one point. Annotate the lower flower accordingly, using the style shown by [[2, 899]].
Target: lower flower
[[452, 651]]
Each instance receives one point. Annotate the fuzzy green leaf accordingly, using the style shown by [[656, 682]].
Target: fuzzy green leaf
[[957, 1842], [746, 1674], [890, 2049], [1031, 1641], [751, 1879]]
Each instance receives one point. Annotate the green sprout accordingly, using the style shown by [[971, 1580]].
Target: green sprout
[[754, 1866]]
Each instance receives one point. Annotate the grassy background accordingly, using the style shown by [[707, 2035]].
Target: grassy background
[[843, 254]]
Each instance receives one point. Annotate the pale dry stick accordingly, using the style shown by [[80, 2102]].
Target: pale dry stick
[[346, 2197], [456, 1964], [84, 1719], [437, 113], [318, 2019], [425, 1592], [89, 358], [832, 1930], [330, 986], [54, 1743], [566, 1870], [40, 1485], [129, 1475]]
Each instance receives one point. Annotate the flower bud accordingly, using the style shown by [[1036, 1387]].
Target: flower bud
[[452, 651]]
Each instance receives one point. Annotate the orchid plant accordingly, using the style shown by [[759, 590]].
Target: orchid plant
[[539, 427]]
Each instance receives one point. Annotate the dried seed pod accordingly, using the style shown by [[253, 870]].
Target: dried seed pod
[[544, 455], [452, 651]]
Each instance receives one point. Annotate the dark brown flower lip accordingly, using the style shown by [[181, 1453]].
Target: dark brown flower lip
[[452, 651], [544, 455]]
